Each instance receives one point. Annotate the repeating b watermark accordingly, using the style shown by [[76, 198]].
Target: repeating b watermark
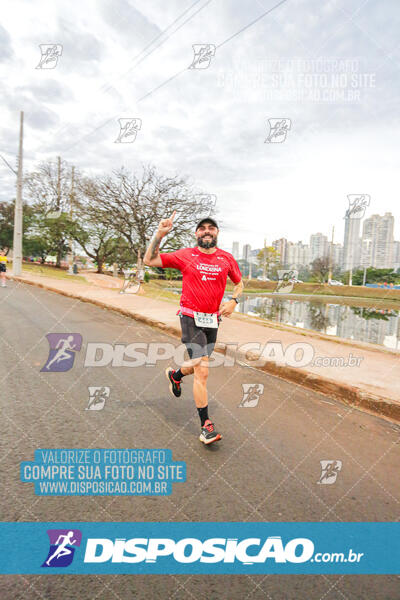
[[278, 129], [329, 471], [128, 129], [207, 203], [50, 53], [251, 394], [97, 397], [357, 205], [286, 280], [203, 53]]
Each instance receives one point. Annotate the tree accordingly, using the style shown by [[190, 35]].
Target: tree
[[7, 224], [373, 275], [97, 239], [134, 205], [50, 192], [267, 258], [320, 268]]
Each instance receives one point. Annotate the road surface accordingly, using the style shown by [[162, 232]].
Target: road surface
[[266, 468]]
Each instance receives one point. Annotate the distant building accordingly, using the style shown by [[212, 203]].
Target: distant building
[[246, 251], [281, 248], [337, 254], [235, 250], [318, 246], [396, 255], [351, 244], [297, 255], [377, 241]]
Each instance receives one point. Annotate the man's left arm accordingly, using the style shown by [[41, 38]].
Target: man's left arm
[[227, 308]]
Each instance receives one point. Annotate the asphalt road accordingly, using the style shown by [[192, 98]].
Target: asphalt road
[[266, 468]]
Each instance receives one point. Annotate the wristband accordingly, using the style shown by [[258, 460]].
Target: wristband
[[235, 299]]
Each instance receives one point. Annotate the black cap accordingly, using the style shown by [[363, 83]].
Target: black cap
[[207, 220]]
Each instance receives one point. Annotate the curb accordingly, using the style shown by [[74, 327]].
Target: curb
[[347, 394]]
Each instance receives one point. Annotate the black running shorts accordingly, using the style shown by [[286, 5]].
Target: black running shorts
[[3, 268], [199, 341]]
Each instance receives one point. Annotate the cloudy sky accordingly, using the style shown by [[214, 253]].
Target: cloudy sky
[[330, 66]]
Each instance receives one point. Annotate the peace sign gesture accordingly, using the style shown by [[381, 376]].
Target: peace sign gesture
[[166, 225]]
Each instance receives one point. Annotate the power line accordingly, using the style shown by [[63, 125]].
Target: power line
[[106, 89], [161, 34], [8, 165], [264, 14], [219, 46], [252, 23]]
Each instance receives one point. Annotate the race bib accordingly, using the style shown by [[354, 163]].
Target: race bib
[[205, 319]]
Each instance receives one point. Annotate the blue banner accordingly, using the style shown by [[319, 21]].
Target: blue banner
[[221, 548]]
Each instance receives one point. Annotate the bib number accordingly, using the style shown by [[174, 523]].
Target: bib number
[[206, 319]]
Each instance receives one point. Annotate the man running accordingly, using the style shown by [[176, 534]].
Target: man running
[[205, 269], [3, 268]]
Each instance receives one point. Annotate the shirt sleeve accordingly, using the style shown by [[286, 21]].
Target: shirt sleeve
[[234, 273], [173, 260]]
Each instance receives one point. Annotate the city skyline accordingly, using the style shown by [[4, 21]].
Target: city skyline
[[367, 242]]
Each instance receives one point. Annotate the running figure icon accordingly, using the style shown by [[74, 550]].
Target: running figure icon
[[63, 347], [62, 549], [62, 354]]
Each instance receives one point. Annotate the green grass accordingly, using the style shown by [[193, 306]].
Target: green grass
[[46, 271], [305, 289]]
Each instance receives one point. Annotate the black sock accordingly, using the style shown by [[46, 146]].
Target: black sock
[[178, 375], [203, 414]]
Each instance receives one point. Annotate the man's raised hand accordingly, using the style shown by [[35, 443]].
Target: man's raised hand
[[166, 225]]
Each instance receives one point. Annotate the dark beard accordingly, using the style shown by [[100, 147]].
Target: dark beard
[[207, 244]]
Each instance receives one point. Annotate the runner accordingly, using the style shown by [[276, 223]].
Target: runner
[[205, 269], [3, 268]]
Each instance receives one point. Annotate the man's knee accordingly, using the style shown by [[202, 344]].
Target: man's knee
[[201, 370]]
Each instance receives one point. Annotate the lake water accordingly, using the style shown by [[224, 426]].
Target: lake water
[[374, 325]]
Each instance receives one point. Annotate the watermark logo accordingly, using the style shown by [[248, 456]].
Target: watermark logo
[[62, 351], [203, 53], [357, 205], [132, 280], [50, 54], [251, 394], [207, 203], [286, 280], [329, 471], [97, 397], [54, 214], [278, 129], [128, 129], [61, 551]]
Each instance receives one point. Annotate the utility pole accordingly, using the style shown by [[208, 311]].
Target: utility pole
[[365, 275], [330, 256], [264, 261], [17, 242], [71, 201], [250, 265]]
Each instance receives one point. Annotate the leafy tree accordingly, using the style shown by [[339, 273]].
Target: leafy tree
[[373, 275], [267, 258], [6, 225], [50, 204], [320, 269]]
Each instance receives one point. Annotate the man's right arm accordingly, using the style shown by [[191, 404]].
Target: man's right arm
[[152, 255]]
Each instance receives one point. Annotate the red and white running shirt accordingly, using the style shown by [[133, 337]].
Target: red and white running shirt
[[204, 276]]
